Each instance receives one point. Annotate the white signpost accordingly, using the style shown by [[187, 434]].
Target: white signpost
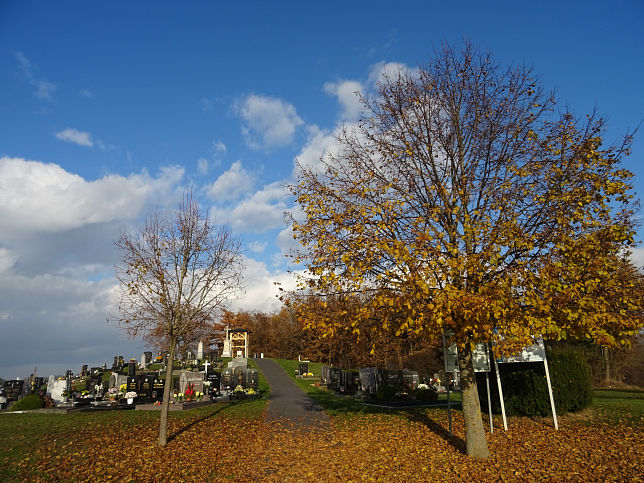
[[533, 353]]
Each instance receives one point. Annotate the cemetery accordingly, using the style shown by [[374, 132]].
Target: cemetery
[[199, 379]]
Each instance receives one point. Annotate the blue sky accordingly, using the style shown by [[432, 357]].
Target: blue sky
[[110, 109]]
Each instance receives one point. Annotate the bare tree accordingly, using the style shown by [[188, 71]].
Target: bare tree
[[176, 273]]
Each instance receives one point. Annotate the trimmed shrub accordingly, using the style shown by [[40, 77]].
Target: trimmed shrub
[[525, 390], [425, 395], [386, 393], [33, 401]]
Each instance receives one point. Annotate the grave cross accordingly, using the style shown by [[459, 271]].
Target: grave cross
[[206, 364]]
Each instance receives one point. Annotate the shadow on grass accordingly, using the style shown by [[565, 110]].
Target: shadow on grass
[[423, 418], [217, 410]]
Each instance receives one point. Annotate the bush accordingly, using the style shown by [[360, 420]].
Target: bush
[[386, 393], [425, 395], [525, 390], [33, 401]]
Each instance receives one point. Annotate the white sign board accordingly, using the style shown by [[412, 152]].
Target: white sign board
[[533, 353]]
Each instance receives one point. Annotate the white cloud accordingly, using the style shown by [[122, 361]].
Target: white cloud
[[86, 93], [231, 184], [203, 166], [255, 247], [263, 211], [347, 92], [44, 89], [35, 196], [75, 136], [268, 122], [261, 293], [219, 147], [637, 257], [388, 70]]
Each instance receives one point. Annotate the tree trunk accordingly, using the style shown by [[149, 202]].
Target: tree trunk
[[606, 364], [474, 433], [165, 404]]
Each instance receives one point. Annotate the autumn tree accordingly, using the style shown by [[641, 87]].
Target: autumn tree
[[466, 200], [175, 273]]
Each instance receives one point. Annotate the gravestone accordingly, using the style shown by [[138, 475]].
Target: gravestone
[[145, 385], [334, 378], [116, 380], [324, 374], [252, 379], [132, 383], [157, 388], [84, 370], [214, 378], [13, 389], [302, 368], [239, 377], [410, 379], [55, 389], [238, 362], [227, 379], [200, 350], [144, 364], [148, 358], [368, 380], [131, 368], [349, 382], [191, 378]]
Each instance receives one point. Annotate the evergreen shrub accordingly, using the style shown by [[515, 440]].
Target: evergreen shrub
[[525, 390], [33, 401]]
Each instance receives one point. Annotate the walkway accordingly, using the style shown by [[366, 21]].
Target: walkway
[[288, 401]]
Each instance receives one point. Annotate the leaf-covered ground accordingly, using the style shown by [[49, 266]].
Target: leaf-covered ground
[[413, 447]]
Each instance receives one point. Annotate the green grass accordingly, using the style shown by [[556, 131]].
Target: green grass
[[619, 405]]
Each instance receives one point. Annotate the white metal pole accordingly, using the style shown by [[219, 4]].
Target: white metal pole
[[498, 383], [489, 401], [552, 399]]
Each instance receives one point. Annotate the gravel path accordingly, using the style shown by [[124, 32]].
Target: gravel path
[[287, 401]]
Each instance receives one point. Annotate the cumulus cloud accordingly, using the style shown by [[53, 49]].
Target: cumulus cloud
[[268, 122], [44, 89], [263, 211], [75, 136], [45, 197], [86, 93], [261, 292], [347, 93], [255, 247], [387, 70], [231, 184]]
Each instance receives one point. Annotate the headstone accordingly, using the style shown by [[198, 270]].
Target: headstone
[[368, 380], [252, 379], [349, 381], [55, 389], [189, 355], [157, 388], [334, 378], [132, 383], [200, 350], [84, 370], [227, 379], [131, 368], [116, 380], [324, 374], [302, 368], [148, 358], [227, 352], [145, 385], [410, 379], [144, 364], [13, 389], [238, 362], [214, 378], [239, 377], [191, 378]]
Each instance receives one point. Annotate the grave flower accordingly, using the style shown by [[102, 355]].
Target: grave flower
[[238, 389], [190, 391], [130, 394], [198, 395], [178, 396]]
